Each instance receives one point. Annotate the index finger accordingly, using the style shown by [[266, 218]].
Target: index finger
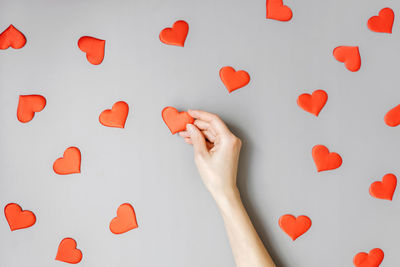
[[215, 122]]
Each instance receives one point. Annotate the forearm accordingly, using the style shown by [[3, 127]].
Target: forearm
[[248, 249]]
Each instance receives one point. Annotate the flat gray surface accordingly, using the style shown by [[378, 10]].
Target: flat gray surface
[[143, 164]]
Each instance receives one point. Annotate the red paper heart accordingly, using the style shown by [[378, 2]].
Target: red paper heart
[[232, 79], [17, 218], [175, 35], [325, 160], [384, 189], [69, 163], [176, 121], [278, 11], [67, 251], [28, 105], [12, 37], [125, 220], [392, 117], [373, 259], [293, 226], [93, 47], [383, 22], [349, 55], [116, 116], [313, 103]]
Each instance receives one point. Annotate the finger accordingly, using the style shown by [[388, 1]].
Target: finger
[[198, 140], [215, 122], [188, 140], [184, 134], [203, 125], [202, 115], [209, 135]]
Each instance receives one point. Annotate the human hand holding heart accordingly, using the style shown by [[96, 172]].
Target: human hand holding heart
[[175, 120]]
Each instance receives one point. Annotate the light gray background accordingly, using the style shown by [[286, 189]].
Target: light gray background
[[145, 165]]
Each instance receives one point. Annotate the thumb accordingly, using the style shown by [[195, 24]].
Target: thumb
[[198, 140]]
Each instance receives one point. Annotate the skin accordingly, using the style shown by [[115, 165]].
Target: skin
[[216, 154]]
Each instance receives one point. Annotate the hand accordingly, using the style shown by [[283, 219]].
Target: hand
[[216, 153]]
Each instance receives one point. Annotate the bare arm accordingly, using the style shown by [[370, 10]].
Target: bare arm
[[216, 153]]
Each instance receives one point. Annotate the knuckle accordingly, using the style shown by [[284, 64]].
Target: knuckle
[[214, 118], [234, 141]]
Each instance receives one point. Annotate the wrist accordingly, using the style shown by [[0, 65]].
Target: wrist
[[227, 198]]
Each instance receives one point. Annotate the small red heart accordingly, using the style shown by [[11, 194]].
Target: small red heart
[[17, 218], [28, 105], [278, 11], [93, 47], [67, 251], [325, 160], [175, 120], [232, 79], [349, 55], [384, 189], [175, 35], [373, 259], [125, 220], [313, 103], [12, 37], [116, 116], [294, 227], [383, 22], [392, 117], [69, 163]]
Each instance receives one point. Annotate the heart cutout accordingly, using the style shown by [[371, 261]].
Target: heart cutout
[[70, 162], [384, 189], [232, 79], [11, 37], [294, 227], [313, 103], [383, 22], [28, 105], [278, 11], [93, 47], [349, 55], [373, 259], [175, 35], [116, 116], [125, 220], [67, 251], [175, 120], [392, 117], [325, 160], [18, 218]]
